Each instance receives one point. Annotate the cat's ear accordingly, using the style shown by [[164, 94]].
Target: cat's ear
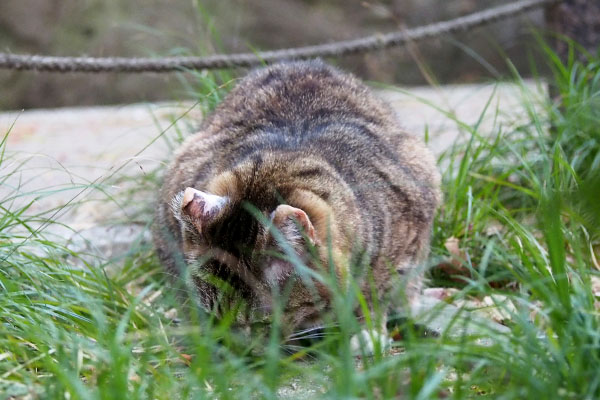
[[201, 207], [296, 228], [287, 219]]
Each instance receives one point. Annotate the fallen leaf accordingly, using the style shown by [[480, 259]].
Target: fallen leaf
[[595, 282], [453, 246], [187, 359], [440, 293]]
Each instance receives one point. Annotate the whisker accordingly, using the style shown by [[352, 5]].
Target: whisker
[[304, 331], [320, 328], [314, 336], [295, 349]]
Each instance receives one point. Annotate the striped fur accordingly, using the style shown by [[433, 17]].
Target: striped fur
[[307, 135]]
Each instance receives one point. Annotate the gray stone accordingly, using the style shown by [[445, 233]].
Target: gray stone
[[441, 318]]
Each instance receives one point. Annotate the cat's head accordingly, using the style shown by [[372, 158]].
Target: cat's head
[[258, 248]]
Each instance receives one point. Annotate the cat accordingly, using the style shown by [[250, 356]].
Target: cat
[[302, 159]]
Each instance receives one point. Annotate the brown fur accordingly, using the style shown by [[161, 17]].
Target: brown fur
[[309, 136]]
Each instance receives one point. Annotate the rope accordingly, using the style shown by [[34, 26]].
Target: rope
[[22, 62]]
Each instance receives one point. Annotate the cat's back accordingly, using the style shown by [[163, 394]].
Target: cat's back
[[306, 106], [308, 128], [301, 99], [310, 109]]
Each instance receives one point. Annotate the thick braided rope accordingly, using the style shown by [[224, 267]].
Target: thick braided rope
[[222, 61]]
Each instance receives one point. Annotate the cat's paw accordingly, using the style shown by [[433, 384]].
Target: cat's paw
[[368, 342]]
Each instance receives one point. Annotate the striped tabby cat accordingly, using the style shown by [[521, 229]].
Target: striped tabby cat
[[308, 151]]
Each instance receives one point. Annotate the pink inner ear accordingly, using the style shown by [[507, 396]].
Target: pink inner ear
[[201, 206], [283, 212]]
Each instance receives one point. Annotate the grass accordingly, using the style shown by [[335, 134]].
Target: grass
[[87, 327]]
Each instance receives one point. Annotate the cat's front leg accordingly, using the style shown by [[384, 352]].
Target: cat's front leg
[[369, 342]]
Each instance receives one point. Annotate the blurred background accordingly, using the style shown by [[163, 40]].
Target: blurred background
[[187, 27]]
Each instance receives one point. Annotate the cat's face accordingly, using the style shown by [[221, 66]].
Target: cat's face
[[258, 252]]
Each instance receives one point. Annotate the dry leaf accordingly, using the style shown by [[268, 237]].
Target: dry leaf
[[440, 293], [453, 246], [171, 314], [187, 359], [595, 281]]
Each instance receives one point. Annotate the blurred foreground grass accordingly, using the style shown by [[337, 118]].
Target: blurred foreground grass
[[520, 219]]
